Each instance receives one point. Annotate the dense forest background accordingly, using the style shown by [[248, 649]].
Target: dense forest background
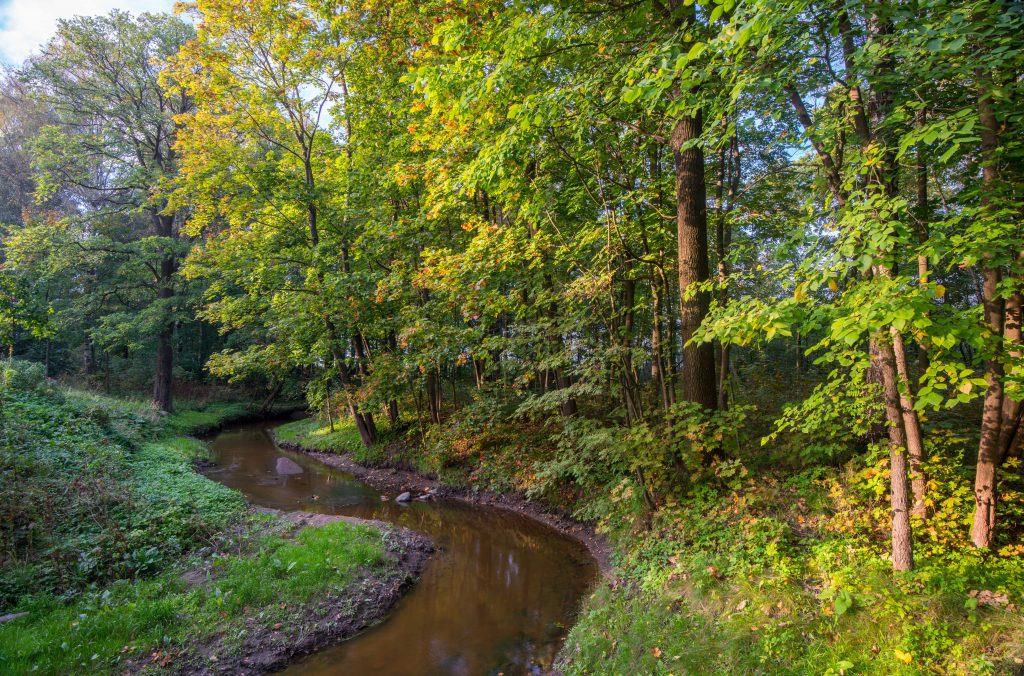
[[638, 259]]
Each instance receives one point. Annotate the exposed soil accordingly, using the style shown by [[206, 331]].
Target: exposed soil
[[306, 629], [393, 481]]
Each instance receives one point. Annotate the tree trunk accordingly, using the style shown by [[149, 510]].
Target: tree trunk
[[902, 547], [164, 347], [367, 430], [698, 372], [433, 396], [1009, 432], [164, 369], [983, 526], [984, 522], [912, 425]]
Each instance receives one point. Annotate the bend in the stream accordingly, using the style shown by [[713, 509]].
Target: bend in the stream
[[498, 597]]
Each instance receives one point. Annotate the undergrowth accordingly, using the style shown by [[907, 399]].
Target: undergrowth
[[102, 513], [735, 556], [170, 615]]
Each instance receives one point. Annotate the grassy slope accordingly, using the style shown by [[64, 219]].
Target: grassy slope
[[317, 435], [751, 595], [781, 570], [103, 513]]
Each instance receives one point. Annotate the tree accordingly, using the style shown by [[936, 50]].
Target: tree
[[111, 148]]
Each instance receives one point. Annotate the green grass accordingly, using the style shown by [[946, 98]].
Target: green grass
[[202, 418], [724, 583], [92, 489], [775, 625], [101, 513], [316, 435], [130, 619]]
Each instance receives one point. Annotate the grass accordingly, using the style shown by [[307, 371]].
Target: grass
[[129, 619], [774, 625], [317, 435], [101, 514], [94, 489], [757, 579]]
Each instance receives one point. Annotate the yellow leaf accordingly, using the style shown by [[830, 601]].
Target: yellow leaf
[[940, 291], [833, 284], [906, 658]]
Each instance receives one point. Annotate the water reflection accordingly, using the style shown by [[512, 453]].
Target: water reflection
[[496, 598]]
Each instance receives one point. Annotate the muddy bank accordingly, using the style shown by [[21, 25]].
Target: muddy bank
[[392, 481], [363, 603]]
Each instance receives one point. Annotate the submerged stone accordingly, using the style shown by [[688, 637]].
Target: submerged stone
[[288, 466]]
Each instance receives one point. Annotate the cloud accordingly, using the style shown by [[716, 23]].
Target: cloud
[[25, 25]]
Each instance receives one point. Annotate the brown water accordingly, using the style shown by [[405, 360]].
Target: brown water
[[498, 596]]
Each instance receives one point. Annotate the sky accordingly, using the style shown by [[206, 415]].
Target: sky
[[25, 25]]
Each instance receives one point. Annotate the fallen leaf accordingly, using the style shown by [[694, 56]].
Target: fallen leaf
[[742, 604], [906, 658], [277, 626]]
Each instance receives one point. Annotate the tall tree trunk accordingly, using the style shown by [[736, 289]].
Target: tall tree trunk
[[164, 369], [983, 526], [90, 357], [698, 372], [902, 547], [630, 387], [729, 173], [367, 432], [162, 397], [361, 352]]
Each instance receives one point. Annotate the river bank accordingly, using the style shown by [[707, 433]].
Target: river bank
[[498, 596], [392, 481], [118, 555], [276, 636], [752, 570]]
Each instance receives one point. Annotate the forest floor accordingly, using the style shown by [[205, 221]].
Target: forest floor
[[117, 555], [778, 568]]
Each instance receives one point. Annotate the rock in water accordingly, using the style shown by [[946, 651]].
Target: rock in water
[[404, 497], [288, 466]]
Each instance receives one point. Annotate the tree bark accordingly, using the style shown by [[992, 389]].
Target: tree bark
[[902, 547], [698, 371], [1009, 431], [983, 526], [912, 425], [162, 396]]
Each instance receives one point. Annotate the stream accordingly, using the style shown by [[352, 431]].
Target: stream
[[497, 597]]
